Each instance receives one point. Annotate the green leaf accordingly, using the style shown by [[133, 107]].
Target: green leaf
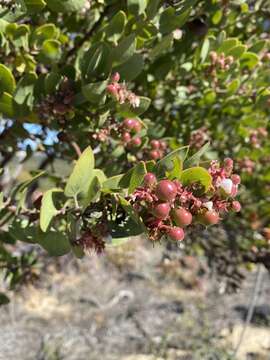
[[237, 51], [81, 176], [112, 183], [170, 21], [55, 243], [95, 92], [98, 177], [249, 60], [134, 177], [167, 164], [52, 82], [233, 86], [125, 49], [164, 45], [205, 49], [50, 51], [152, 8], [48, 209], [34, 5], [65, 5], [6, 105], [136, 7], [24, 90], [116, 26], [127, 110], [131, 68], [96, 62], [197, 175], [195, 159], [216, 18], [227, 45], [258, 46], [7, 80]]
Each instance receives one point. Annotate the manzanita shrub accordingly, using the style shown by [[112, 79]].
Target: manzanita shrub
[[155, 107]]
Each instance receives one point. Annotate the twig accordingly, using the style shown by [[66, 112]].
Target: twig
[[252, 304], [76, 148]]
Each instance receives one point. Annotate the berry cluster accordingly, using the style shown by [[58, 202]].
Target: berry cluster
[[166, 206], [256, 136], [199, 137], [58, 105], [246, 165], [157, 149], [129, 130], [120, 92]]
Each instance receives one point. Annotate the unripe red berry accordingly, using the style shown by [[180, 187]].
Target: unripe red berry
[[210, 217], [163, 145], [161, 211], [136, 142], [166, 190], [236, 179], [150, 179], [129, 124], [182, 217], [176, 233], [236, 206], [155, 144], [154, 154], [126, 137], [137, 127], [116, 77]]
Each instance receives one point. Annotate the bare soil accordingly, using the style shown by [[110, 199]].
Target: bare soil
[[134, 303]]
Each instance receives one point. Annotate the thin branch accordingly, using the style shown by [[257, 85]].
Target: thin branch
[[252, 304]]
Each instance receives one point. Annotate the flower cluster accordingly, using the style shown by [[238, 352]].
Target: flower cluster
[[167, 206], [246, 165], [120, 92], [256, 136], [220, 61], [199, 137]]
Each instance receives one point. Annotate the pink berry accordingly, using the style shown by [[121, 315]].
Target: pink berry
[[129, 124], [161, 211], [126, 137], [154, 144], [154, 155], [150, 179], [210, 217], [176, 233], [116, 77], [236, 179], [236, 206], [182, 217], [111, 88], [136, 141], [166, 190], [137, 127]]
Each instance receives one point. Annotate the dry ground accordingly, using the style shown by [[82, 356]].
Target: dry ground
[[135, 303]]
